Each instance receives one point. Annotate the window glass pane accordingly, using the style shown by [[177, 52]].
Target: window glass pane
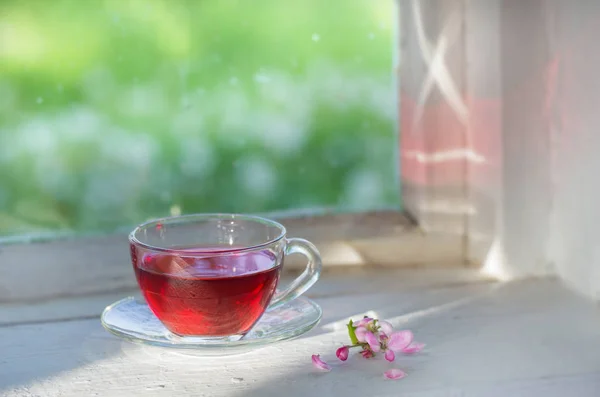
[[116, 111]]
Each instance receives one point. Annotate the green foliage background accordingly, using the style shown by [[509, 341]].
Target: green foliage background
[[116, 111]]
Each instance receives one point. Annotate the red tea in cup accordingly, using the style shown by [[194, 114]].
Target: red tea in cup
[[211, 296]]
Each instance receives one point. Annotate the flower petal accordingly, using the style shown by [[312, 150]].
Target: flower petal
[[413, 348], [342, 353], [360, 333], [394, 373], [373, 342], [320, 364], [367, 353], [399, 340], [389, 355], [386, 327], [362, 322]]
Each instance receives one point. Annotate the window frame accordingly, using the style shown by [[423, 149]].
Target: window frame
[[424, 234]]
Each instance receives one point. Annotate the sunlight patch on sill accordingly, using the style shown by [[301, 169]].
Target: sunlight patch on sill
[[332, 254], [445, 156], [494, 264]]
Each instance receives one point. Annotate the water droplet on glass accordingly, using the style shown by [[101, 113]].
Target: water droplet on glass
[[175, 210], [316, 37], [237, 380], [39, 100], [233, 80], [371, 36]]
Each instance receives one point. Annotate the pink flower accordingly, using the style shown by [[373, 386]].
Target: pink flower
[[394, 374], [367, 353], [373, 342], [360, 333], [342, 353], [373, 336], [397, 342], [413, 348], [389, 355], [385, 327], [362, 322], [320, 364]]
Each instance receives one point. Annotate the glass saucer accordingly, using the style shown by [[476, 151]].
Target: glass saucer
[[131, 319]]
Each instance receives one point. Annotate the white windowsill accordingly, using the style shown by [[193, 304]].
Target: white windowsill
[[484, 339]]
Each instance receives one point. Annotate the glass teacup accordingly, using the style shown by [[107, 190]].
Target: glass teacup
[[212, 276]]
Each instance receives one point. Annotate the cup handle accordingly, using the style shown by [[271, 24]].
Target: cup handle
[[309, 276]]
